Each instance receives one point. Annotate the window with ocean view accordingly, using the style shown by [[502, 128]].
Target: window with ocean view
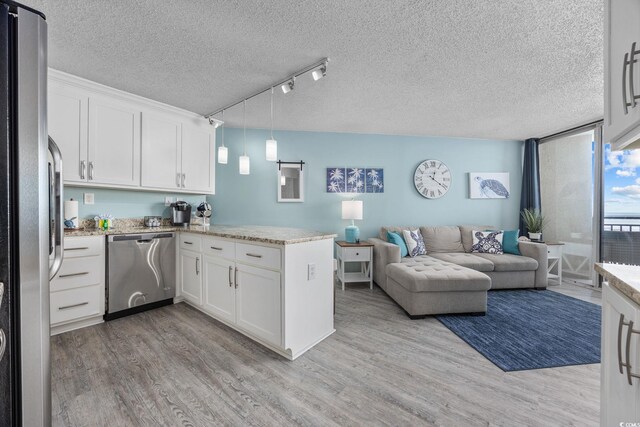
[[621, 193]]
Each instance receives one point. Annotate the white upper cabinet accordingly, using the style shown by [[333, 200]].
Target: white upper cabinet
[[114, 142], [198, 160], [114, 139], [161, 152], [622, 72], [67, 119]]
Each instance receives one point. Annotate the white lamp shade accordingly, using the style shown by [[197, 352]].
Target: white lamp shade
[[272, 150], [352, 209], [223, 155], [245, 165]]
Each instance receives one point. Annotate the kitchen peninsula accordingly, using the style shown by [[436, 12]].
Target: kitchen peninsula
[[273, 284]]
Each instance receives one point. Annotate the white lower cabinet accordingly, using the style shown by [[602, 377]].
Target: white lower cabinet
[[246, 286], [77, 293], [258, 302], [191, 277], [219, 287], [620, 398]]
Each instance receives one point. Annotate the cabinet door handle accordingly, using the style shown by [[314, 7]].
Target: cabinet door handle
[[184, 178], [620, 325], [74, 274], [91, 166], [77, 249], [235, 277], [83, 169], [178, 180], [230, 279], [3, 343], [254, 255], [188, 243], [197, 266], [66, 307], [627, 353], [215, 248]]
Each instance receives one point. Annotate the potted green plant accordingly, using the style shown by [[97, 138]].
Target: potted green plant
[[535, 223]]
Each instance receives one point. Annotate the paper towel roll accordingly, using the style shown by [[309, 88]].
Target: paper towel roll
[[71, 214]]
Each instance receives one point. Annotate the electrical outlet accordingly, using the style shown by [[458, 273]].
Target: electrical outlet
[[168, 200], [311, 272], [89, 199]]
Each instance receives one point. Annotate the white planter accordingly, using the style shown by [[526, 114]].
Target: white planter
[[535, 236]]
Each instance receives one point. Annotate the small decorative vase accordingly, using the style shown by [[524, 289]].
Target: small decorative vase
[[535, 236], [351, 234]]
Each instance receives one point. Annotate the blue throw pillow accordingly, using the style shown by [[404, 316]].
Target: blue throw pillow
[[397, 239], [510, 242]]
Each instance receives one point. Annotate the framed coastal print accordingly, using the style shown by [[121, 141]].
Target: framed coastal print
[[486, 185]]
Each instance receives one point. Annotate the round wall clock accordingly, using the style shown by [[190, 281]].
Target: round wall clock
[[432, 179]]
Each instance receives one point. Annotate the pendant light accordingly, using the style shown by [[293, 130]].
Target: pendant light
[[223, 152], [272, 144], [244, 163]]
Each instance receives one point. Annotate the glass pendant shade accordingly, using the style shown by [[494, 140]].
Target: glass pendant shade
[[223, 155], [245, 165], [272, 150]]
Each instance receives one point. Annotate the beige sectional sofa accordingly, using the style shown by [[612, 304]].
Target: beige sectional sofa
[[451, 279]]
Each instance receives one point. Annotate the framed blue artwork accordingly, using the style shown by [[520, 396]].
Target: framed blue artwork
[[355, 180], [374, 180], [336, 182]]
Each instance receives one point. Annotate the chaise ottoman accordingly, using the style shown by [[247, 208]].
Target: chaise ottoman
[[425, 286]]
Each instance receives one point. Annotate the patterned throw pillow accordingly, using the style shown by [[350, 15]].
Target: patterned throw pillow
[[415, 242], [487, 242]]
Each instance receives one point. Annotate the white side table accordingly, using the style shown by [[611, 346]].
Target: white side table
[[554, 255], [355, 252]]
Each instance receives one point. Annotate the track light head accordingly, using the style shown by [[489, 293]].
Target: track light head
[[319, 72], [288, 86], [215, 122]]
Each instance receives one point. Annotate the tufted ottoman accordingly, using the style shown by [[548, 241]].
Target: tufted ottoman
[[425, 286]]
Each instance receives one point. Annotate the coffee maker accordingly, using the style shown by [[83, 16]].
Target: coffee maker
[[181, 213]]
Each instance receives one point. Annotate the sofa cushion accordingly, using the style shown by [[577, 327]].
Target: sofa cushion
[[415, 242], [428, 274], [384, 230], [487, 242], [508, 262], [465, 260], [442, 239], [466, 234], [397, 240]]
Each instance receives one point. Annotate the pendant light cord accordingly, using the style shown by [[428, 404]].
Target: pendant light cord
[[272, 112], [244, 126], [222, 128]]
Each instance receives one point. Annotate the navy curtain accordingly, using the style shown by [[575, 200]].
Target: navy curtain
[[530, 196]]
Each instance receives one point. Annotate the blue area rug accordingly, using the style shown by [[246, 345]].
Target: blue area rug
[[527, 329]]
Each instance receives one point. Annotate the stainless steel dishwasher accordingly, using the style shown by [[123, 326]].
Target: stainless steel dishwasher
[[141, 272]]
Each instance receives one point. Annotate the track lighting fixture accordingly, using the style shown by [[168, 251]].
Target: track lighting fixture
[[319, 72], [223, 152], [215, 122], [288, 86]]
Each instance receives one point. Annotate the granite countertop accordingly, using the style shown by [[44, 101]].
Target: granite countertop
[[253, 233], [625, 278]]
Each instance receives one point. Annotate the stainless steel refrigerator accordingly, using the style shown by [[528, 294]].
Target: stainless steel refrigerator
[[30, 226]]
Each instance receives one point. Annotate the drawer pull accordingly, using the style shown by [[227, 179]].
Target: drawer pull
[[235, 277], [254, 255], [66, 307], [73, 274], [77, 249], [188, 243], [230, 279], [215, 248]]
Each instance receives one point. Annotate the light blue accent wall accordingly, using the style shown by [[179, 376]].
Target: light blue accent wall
[[252, 199], [125, 203]]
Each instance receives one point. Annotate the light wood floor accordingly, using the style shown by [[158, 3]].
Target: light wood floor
[[175, 366]]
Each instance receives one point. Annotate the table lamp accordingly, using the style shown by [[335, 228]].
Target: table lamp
[[352, 209]]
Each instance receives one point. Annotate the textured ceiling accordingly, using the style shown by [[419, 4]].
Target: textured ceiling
[[486, 69]]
